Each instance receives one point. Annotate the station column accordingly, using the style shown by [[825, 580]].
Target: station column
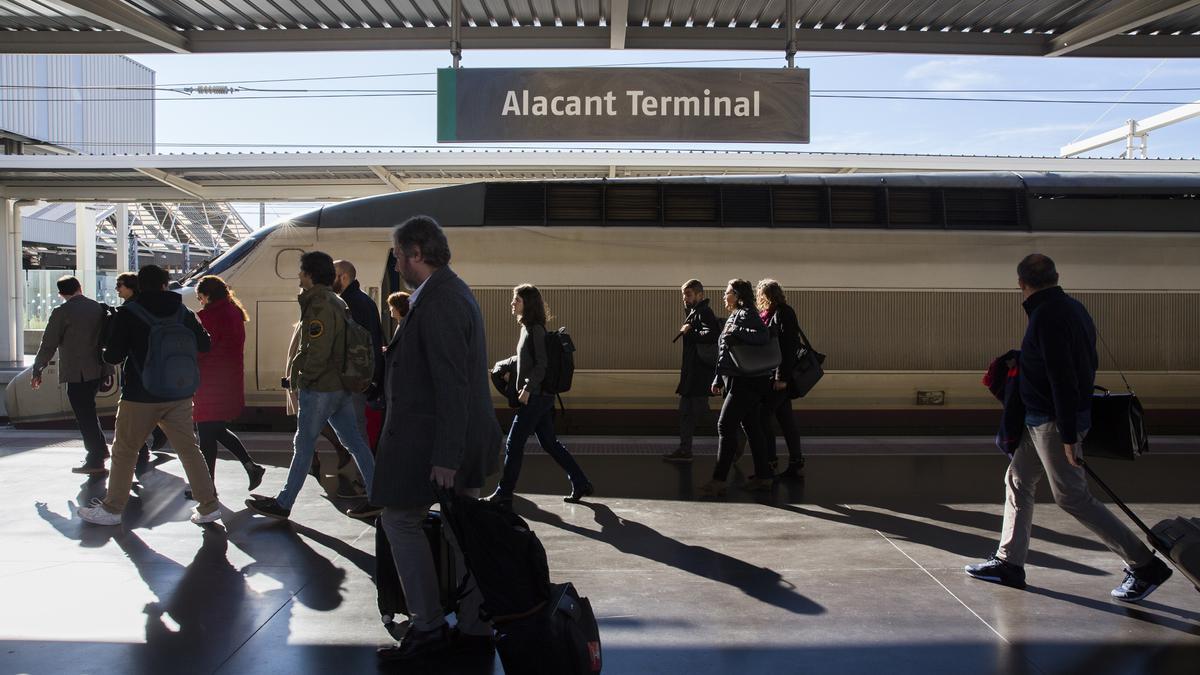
[[10, 268], [85, 248]]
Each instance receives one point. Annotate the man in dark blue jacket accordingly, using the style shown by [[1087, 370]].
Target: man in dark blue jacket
[[1058, 369]]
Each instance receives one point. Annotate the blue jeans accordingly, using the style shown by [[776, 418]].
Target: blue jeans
[[535, 417], [316, 408]]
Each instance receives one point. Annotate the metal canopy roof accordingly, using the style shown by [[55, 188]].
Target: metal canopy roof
[[1118, 28], [344, 175]]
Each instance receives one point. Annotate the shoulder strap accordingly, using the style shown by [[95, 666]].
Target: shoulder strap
[[1114, 360], [804, 338]]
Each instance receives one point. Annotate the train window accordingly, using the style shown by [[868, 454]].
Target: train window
[[795, 205], [287, 263], [575, 204], [631, 204], [746, 205], [515, 204], [982, 209], [691, 205], [852, 206], [913, 208]]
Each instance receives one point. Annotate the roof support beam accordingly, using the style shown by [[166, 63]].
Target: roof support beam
[[618, 21], [1124, 17], [389, 178], [187, 187], [122, 17]]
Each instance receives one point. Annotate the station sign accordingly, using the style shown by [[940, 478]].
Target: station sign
[[731, 105]]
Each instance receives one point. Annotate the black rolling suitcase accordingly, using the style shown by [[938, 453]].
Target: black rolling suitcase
[[392, 607], [1177, 539], [541, 628]]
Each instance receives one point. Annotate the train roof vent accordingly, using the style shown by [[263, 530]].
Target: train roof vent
[[692, 205], [575, 204], [799, 205], [746, 205], [913, 208], [633, 204], [855, 206], [515, 204], [982, 209]]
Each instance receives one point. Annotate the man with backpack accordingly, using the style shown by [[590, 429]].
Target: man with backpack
[[334, 358], [73, 332], [440, 428], [157, 339]]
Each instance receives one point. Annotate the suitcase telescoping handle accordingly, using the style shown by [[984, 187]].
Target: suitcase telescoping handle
[[1155, 541]]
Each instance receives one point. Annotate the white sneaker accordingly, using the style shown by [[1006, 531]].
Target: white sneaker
[[96, 514], [201, 519]]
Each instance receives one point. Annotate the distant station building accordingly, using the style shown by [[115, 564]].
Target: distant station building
[[95, 105]]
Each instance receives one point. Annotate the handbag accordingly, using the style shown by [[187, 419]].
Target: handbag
[[808, 369], [1118, 421], [1118, 426], [756, 360]]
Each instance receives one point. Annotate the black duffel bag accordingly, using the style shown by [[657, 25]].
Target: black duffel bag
[[807, 371], [1118, 426]]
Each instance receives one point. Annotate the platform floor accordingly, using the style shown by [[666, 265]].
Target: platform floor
[[858, 570]]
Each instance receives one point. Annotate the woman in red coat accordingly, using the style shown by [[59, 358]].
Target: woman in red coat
[[221, 397]]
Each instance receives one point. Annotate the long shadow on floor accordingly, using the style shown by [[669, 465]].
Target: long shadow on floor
[[966, 544], [634, 538], [1138, 611]]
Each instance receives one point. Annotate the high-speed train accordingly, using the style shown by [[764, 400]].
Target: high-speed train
[[906, 281]]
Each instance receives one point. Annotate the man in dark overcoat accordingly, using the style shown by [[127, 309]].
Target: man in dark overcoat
[[440, 428]]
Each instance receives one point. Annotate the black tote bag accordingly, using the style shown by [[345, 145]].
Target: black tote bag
[[755, 360], [1118, 426], [808, 369]]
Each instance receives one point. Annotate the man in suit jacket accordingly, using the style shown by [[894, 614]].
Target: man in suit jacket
[[74, 332], [440, 428]]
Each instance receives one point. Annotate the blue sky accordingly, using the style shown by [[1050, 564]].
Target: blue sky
[[838, 125]]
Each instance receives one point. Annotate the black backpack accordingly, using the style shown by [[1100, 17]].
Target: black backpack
[[560, 362]]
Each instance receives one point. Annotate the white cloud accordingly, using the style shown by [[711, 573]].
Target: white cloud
[[949, 74]]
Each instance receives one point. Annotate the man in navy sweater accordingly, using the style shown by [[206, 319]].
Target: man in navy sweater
[[1058, 369]]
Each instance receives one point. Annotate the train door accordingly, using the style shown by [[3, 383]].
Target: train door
[[391, 283]]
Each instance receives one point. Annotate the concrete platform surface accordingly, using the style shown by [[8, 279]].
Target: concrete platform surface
[[856, 570]]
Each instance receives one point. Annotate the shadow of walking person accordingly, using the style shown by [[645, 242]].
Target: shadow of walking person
[[928, 534], [633, 538]]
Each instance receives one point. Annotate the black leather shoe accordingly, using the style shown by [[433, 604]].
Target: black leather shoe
[[255, 473], [416, 644], [364, 511], [465, 643], [578, 492], [794, 471]]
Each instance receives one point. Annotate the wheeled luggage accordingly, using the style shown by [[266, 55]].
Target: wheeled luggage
[[1178, 539], [392, 606], [541, 628]]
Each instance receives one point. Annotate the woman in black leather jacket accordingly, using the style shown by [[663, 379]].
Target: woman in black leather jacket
[[781, 320], [743, 394]]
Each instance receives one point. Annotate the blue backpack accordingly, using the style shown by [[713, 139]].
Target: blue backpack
[[171, 370]]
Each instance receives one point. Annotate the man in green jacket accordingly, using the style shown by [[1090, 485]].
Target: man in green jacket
[[315, 373]]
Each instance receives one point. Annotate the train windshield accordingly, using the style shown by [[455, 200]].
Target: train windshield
[[231, 257]]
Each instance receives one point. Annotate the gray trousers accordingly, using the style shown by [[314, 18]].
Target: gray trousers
[[418, 577], [1041, 453], [691, 409]]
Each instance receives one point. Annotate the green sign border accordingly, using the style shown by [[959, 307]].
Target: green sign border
[[447, 105]]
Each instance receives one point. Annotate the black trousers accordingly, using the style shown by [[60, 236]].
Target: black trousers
[[211, 433], [82, 396], [778, 408], [744, 398]]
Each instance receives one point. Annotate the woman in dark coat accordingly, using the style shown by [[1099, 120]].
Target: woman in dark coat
[[744, 394], [536, 412], [221, 395], [781, 319]]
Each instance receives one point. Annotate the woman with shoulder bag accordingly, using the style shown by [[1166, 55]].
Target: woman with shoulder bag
[[744, 393], [536, 412], [781, 319], [221, 395]]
